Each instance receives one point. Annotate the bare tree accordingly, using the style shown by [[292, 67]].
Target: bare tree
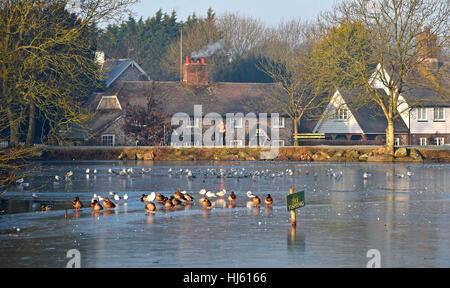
[[393, 26]]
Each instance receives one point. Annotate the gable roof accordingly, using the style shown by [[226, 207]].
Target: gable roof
[[113, 68], [368, 116]]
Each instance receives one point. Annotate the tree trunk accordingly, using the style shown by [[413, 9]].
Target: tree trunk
[[14, 127], [390, 137], [296, 123], [31, 125]]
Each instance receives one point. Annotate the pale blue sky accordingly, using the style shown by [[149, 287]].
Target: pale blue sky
[[269, 11]]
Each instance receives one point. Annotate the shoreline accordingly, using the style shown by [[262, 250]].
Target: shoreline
[[298, 154]]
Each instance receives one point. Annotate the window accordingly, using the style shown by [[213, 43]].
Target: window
[[108, 140], [439, 141], [342, 114], [422, 141], [439, 114], [396, 141], [279, 123], [422, 114]]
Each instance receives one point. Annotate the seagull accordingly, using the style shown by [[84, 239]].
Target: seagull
[[112, 194], [250, 194], [20, 181], [366, 175], [221, 193], [117, 197], [202, 192], [125, 197], [58, 178], [88, 171], [95, 171], [409, 173], [69, 174], [110, 171], [210, 194]]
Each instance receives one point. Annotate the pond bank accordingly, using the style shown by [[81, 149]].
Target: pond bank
[[316, 153]]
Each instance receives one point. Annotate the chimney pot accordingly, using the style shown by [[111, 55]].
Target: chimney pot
[[203, 60], [187, 59]]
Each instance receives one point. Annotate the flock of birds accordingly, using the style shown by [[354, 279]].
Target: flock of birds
[[151, 200], [183, 198]]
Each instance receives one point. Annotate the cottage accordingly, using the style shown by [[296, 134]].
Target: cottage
[[181, 97]]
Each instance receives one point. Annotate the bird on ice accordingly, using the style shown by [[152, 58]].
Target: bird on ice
[[250, 194]]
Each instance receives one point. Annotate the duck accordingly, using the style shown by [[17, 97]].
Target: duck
[[268, 200], [188, 197], [167, 203], [232, 196], [108, 204], [117, 197], [175, 201], [45, 207], [150, 207], [96, 206], [77, 203], [160, 197], [256, 201], [206, 203]]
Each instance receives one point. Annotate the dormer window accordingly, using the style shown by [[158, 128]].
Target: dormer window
[[342, 114], [109, 103]]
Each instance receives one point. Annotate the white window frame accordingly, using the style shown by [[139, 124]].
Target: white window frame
[[342, 114], [439, 111], [279, 124], [423, 141], [422, 114], [113, 142], [438, 141], [396, 141]]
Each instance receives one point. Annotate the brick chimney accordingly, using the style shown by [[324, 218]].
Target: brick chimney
[[427, 49], [195, 72]]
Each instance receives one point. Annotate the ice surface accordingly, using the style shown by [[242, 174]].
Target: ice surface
[[405, 218]]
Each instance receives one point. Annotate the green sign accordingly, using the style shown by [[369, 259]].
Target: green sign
[[296, 200]]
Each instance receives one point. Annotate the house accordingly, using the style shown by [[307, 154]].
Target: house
[[117, 70], [346, 120], [107, 127], [423, 106]]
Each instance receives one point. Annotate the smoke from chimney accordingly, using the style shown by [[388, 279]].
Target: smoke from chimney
[[209, 50]]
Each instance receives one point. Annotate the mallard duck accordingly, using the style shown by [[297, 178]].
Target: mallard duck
[[151, 207], [45, 207], [256, 201], [177, 193], [268, 200], [96, 206], [167, 203], [160, 197], [232, 196], [188, 197], [175, 201], [108, 204], [206, 203], [77, 203]]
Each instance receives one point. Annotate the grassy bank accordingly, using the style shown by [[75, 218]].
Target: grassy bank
[[330, 154]]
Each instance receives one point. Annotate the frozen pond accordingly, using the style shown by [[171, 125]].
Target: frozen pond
[[405, 218]]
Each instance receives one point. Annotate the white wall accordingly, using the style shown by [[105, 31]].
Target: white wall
[[334, 126], [430, 126]]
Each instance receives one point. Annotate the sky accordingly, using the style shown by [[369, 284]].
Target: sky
[[271, 12]]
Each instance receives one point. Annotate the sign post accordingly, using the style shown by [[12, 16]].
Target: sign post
[[294, 201]]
